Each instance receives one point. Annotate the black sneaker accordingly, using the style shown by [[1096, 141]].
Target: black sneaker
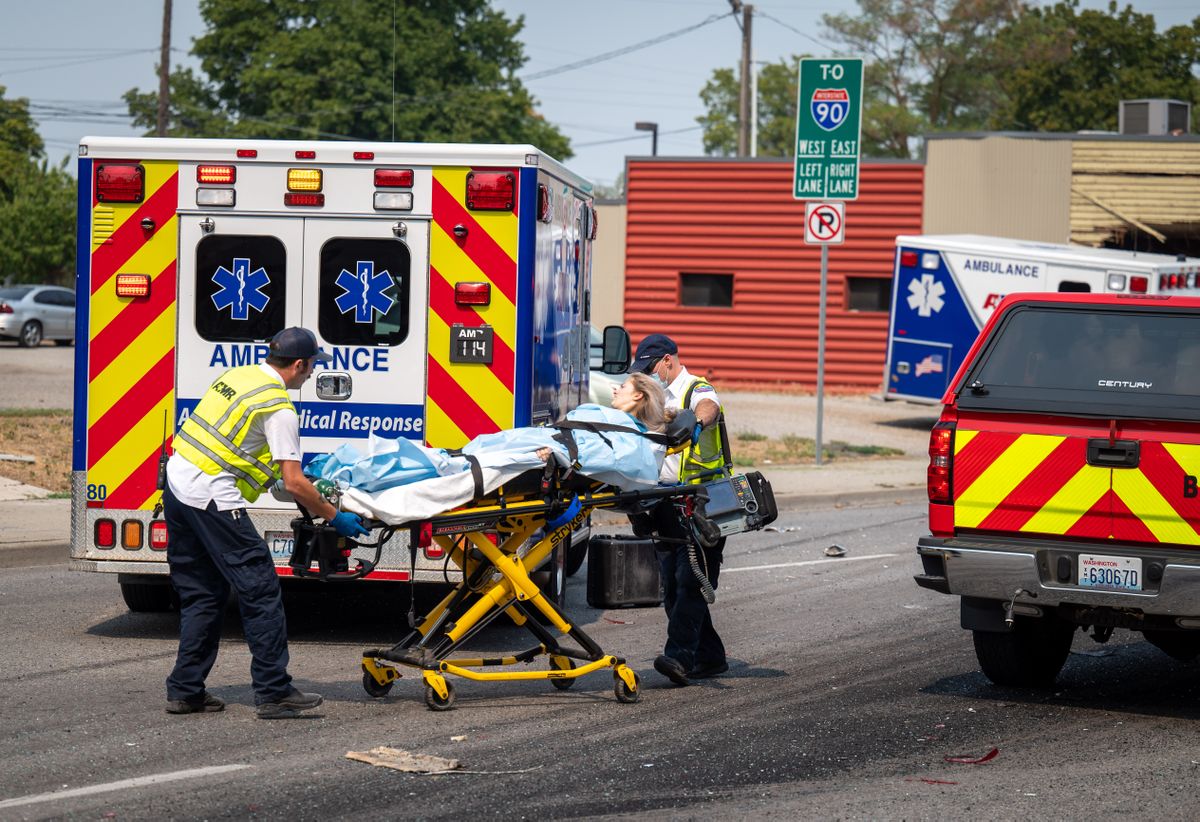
[[289, 706], [707, 670], [209, 704], [672, 669]]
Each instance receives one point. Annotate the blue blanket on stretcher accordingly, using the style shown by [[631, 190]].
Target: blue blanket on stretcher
[[625, 460]]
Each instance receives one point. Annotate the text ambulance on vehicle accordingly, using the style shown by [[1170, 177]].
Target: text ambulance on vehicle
[[945, 287], [450, 283]]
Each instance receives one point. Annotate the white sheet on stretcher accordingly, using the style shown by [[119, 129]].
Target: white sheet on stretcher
[[399, 481]]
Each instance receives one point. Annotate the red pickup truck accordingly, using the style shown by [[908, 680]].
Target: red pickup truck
[[1063, 480]]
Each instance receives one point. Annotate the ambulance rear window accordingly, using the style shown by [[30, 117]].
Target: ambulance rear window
[[1111, 361], [241, 284], [364, 286]]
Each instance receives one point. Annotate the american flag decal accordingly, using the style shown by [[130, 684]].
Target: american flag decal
[[930, 365]]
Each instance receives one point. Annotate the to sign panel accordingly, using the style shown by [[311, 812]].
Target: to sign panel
[[828, 129], [824, 223]]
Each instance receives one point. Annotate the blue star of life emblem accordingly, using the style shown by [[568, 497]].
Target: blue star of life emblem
[[241, 289], [364, 292]]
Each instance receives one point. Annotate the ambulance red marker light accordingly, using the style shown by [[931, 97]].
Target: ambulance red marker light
[[491, 190], [434, 551], [133, 285], [424, 535], [393, 178], [306, 155], [364, 155], [120, 183], [247, 153], [158, 535], [105, 533], [1139, 285], [472, 293], [222, 175], [545, 212], [908, 259], [301, 199]]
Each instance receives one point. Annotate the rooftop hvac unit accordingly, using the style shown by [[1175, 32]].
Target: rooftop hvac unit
[[1155, 117]]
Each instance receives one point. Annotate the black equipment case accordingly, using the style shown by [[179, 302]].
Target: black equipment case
[[622, 572]]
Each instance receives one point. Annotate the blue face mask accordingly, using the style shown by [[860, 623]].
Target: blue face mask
[[660, 380]]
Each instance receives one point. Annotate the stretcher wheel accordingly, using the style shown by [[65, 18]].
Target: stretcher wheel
[[562, 663], [623, 692], [373, 688], [435, 702]]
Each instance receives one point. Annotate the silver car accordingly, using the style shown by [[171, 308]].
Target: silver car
[[32, 313]]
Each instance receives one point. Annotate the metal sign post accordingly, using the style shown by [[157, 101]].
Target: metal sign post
[[828, 140]]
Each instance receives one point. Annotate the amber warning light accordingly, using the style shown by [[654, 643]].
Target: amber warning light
[[133, 285]]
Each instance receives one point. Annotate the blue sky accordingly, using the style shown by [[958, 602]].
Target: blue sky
[[74, 61]]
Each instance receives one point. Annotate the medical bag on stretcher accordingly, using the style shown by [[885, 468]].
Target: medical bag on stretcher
[[623, 571]]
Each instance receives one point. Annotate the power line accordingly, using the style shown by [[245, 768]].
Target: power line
[[758, 12], [609, 55], [7, 73], [635, 137]]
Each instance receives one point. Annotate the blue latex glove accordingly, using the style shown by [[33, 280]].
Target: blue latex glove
[[348, 525], [696, 432]]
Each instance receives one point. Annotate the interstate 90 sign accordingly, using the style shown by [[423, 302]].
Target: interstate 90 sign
[[828, 129]]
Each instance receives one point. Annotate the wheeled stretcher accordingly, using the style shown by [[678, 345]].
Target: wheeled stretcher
[[497, 540]]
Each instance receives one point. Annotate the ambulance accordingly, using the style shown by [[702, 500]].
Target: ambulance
[[945, 287], [449, 282]]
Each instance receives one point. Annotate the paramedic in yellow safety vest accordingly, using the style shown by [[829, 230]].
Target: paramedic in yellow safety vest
[[694, 649], [241, 438]]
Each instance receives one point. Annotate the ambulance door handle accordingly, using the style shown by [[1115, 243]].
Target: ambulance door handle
[[334, 386], [1103, 453]]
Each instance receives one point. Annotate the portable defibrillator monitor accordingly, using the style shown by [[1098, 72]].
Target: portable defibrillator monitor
[[742, 503]]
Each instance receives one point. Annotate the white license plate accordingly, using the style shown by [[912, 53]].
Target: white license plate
[[1110, 573], [281, 544]]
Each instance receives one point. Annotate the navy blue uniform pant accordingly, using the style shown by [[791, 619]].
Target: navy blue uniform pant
[[211, 552], [691, 638]]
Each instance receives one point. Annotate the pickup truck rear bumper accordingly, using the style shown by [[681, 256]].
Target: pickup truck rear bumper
[[1043, 574]]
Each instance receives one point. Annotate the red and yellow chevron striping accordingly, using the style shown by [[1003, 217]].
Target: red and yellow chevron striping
[[467, 399], [1043, 484], [131, 359]]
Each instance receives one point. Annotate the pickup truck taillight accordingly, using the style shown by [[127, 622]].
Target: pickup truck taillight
[[941, 452]]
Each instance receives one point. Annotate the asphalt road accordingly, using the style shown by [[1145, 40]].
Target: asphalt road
[[849, 687]]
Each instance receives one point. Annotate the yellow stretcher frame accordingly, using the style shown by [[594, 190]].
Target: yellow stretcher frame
[[496, 580]]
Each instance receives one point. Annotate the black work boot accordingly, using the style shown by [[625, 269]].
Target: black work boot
[[208, 704], [672, 669], [289, 706]]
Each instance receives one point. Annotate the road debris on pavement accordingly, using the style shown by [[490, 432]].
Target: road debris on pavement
[[973, 760], [835, 550]]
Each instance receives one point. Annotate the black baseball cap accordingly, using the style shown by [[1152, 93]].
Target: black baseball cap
[[650, 350], [297, 343]]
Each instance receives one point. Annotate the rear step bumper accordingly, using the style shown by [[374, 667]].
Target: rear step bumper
[[992, 568]]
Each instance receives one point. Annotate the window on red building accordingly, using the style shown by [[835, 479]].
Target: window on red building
[[706, 290], [868, 294]]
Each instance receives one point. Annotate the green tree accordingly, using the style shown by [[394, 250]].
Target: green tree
[[323, 68], [1070, 68], [776, 111], [37, 203], [930, 66]]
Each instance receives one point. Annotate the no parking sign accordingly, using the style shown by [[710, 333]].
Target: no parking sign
[[824, 223]]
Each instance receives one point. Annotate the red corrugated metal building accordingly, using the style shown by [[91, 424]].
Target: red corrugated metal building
[[715, 257]]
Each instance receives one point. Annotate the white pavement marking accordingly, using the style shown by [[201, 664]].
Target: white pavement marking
[[108, 787], [805, 562]]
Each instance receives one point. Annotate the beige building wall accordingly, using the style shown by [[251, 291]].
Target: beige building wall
[[608, 266], [1000, 186]]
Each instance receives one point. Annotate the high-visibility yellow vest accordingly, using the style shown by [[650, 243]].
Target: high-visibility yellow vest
[[211, 438], [711, 450]]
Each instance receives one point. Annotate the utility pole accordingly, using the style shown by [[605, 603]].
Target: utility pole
[[745, 148], [164, 71]]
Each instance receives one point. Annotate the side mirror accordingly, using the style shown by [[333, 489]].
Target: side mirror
[[616, 350]]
